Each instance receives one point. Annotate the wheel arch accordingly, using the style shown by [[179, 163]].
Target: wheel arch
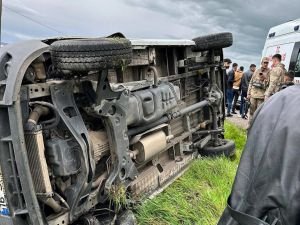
[[14, 61]]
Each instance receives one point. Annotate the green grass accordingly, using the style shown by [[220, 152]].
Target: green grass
[[199, 196]]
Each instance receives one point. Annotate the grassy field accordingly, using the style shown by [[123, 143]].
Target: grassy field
[[199, 196]]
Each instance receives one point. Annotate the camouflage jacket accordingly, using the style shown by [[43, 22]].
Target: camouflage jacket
[[276, 79], [259, 83]]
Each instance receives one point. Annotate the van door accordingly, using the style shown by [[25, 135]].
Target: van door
[[285, 50], [295, 62]]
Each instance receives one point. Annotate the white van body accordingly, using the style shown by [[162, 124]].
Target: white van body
[[284, 39]]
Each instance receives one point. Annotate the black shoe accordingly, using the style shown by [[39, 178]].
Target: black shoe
[[233, 112], [229, 115]]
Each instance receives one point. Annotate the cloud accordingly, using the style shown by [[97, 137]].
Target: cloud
[[17, 6], [19, 36], [249, 20]]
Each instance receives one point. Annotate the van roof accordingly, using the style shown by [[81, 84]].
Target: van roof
[[285, 28]]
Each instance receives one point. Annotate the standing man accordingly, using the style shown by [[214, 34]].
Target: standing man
[[227, 63], [258, 86], [276, 76], [288, 80], [229, 91], [237, 87], [244, 88]]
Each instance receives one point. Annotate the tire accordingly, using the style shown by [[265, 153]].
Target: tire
[[212, 41], [227, 149], [91, 54], [126, 218]]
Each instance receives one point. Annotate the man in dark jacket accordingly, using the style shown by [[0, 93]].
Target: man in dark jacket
[[244, 88], [229, 91], [227, 62], [237, 87], [288, 80], [266, 189]]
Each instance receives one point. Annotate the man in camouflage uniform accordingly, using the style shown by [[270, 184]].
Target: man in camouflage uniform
[[257, 86], [276, 76]]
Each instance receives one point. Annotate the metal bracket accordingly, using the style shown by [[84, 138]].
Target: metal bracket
[[104, 90], [112, 106], [63, 100]]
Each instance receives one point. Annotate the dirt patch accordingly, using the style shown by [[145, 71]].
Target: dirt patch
[[238, 121]]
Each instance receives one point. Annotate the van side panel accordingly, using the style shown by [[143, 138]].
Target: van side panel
[[295, 62], [281, 39], [294, 57], [285, 50]]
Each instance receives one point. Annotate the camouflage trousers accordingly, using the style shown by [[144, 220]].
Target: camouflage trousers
[[254, 104]]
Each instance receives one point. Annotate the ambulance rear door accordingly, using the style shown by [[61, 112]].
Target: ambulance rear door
[[284, 49], [295, 62]]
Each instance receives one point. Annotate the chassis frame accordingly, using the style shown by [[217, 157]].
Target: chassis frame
[[14, 60]]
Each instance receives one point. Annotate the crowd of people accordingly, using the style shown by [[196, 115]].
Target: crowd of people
[[255, 85]]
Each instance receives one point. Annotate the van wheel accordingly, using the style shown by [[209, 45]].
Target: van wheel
[[91, 54], [212, 41], [227, 148], [126, 218]]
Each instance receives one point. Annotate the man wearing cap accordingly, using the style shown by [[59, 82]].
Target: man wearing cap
[[258, 86], [276, 76]]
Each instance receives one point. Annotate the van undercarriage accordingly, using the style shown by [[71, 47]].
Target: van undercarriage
[[91, 127]]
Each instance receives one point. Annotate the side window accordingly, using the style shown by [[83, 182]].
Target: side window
[[297, 66]]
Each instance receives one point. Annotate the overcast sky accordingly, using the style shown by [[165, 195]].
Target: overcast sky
[[248, 20]]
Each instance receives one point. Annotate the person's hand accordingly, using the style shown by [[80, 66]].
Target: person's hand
[[266, 98], [248, 96]]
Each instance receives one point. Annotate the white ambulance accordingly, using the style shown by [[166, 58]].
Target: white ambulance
[[284, 39]]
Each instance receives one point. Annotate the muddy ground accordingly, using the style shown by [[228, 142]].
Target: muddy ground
[[238, 121]]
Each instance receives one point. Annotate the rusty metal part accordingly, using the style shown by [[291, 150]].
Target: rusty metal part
[[133, 154], [39, 69], [146, 182], [204, 124], [30, 75], [51, 203], [154, 179], [48, 124], [99, 180], [100, 144], [36, 113], [150, 146], [155, 74]]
